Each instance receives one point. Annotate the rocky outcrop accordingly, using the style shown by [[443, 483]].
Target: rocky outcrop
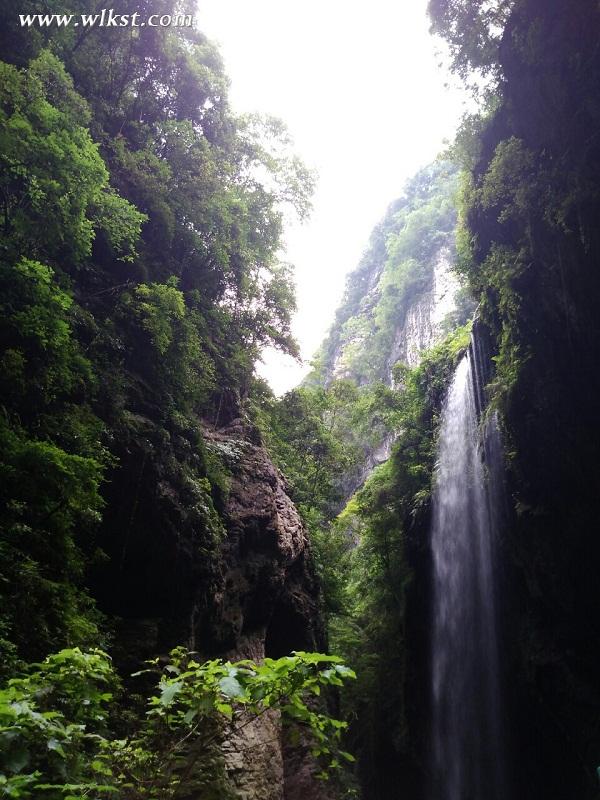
[[268, 606], [418, 327], [221, 566], [268, 598]]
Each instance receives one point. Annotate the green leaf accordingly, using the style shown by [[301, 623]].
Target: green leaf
[[168, 692], [99, 766], [56, 746], [231, 687], [225, 709], [341, 669]]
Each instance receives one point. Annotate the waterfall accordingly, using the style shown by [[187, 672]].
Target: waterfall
[[466, 721]]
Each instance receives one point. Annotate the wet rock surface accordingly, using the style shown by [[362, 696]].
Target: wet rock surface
[[268, 606], [268, 591]]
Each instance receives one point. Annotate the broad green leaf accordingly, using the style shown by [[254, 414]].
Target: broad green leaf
[[168, 692], [231, 687]]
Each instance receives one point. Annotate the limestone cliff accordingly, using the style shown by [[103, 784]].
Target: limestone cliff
[[267, 602], [399, 299], [423, 324]]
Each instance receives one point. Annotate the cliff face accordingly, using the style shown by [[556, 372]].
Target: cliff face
[[267, 602], [424, 321], [398, 299], [252, 594], [268, 605], [419, 325]]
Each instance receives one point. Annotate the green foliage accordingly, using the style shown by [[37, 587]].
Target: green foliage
[[167, 346], [158, 308], [118, 222], [51, 467], [40, 358], [48, 499], [265, 141], [57, 737], [305, 430], [321, 439], [52, 173], [51, 719], [523, 197], [473, 29], [140, 278]]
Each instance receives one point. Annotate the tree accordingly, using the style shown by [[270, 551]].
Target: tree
[[54, 185], [141, 277], [473, 29]]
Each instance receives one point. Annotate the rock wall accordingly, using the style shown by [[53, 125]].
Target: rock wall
[[269, 605], [235, 580], [268, 600], [422, 326], [402, 288]]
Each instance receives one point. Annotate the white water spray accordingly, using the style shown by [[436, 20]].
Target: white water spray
[[466, 724]]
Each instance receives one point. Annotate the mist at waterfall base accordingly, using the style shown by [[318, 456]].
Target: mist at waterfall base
[[467, 737]]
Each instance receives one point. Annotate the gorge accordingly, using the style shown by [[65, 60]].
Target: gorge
[[383, 584]]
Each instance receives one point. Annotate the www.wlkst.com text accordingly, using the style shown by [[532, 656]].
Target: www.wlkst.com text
[[106, 18]]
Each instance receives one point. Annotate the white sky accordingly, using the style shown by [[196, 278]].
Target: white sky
[[359, 87]]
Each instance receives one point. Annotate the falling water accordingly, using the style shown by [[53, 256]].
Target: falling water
[[467, 737]]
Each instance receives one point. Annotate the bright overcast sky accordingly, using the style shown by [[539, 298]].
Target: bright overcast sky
[[359, 87]]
